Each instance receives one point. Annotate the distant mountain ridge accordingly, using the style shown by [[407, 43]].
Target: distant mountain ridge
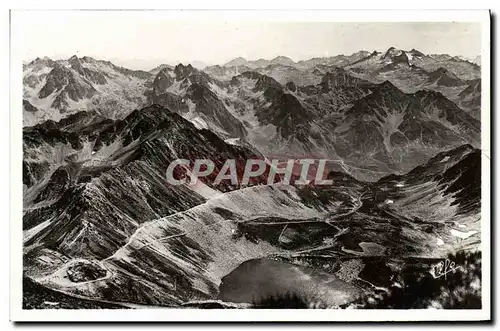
[[58, 88], [399, 133], [285, 107], [55, 89]]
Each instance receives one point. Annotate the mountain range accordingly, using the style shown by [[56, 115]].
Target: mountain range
[[400, 129]]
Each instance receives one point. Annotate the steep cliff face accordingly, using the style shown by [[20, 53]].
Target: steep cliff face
[[414, 59], [212, 110], [401, 130], [338, 78], [344, 117], [470, 99], [452, 176], [62, 80], [398, 129], [111, 178], [184, 256], [188, 92], [60, 88], [443, 77], [162, 81]]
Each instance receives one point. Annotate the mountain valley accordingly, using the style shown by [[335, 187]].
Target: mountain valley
[[400, 131]]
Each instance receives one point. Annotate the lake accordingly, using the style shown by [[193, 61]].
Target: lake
[[256, 279]]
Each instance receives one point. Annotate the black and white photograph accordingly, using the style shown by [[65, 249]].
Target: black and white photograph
[[174, 164]]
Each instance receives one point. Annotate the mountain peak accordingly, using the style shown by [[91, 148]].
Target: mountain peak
[[266, 82], [415, 52], [45, 60], [281, 57], [239, 61], [182, 66], [387, 85], [88, 59], [150, 117], [283, 60], [160, 67], [442, 76], [392, 53], [361, 53], [182, 71], [388, 89], [429, 93]]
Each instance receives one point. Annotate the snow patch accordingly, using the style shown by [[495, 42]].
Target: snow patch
[[232, 141], [463, 235], [28, 234], [199, 123], [50, 303]]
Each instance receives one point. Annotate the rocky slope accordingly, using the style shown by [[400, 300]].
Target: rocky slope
[[357, 234], [343, 117], [400, 130], [188, 92], [55, 89], [470, 99], [94, 184], [281, 107]]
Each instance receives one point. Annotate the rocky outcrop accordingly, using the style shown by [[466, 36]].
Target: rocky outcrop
[[443, 77]]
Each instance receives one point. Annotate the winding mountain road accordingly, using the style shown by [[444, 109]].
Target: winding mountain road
[[328, 219]]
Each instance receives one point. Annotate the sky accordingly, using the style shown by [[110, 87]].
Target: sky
[[141, 40]]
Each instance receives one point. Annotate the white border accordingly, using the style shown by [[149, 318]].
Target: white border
[[192, 315]]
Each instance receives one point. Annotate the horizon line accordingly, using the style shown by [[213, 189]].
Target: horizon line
[[207, 64]]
